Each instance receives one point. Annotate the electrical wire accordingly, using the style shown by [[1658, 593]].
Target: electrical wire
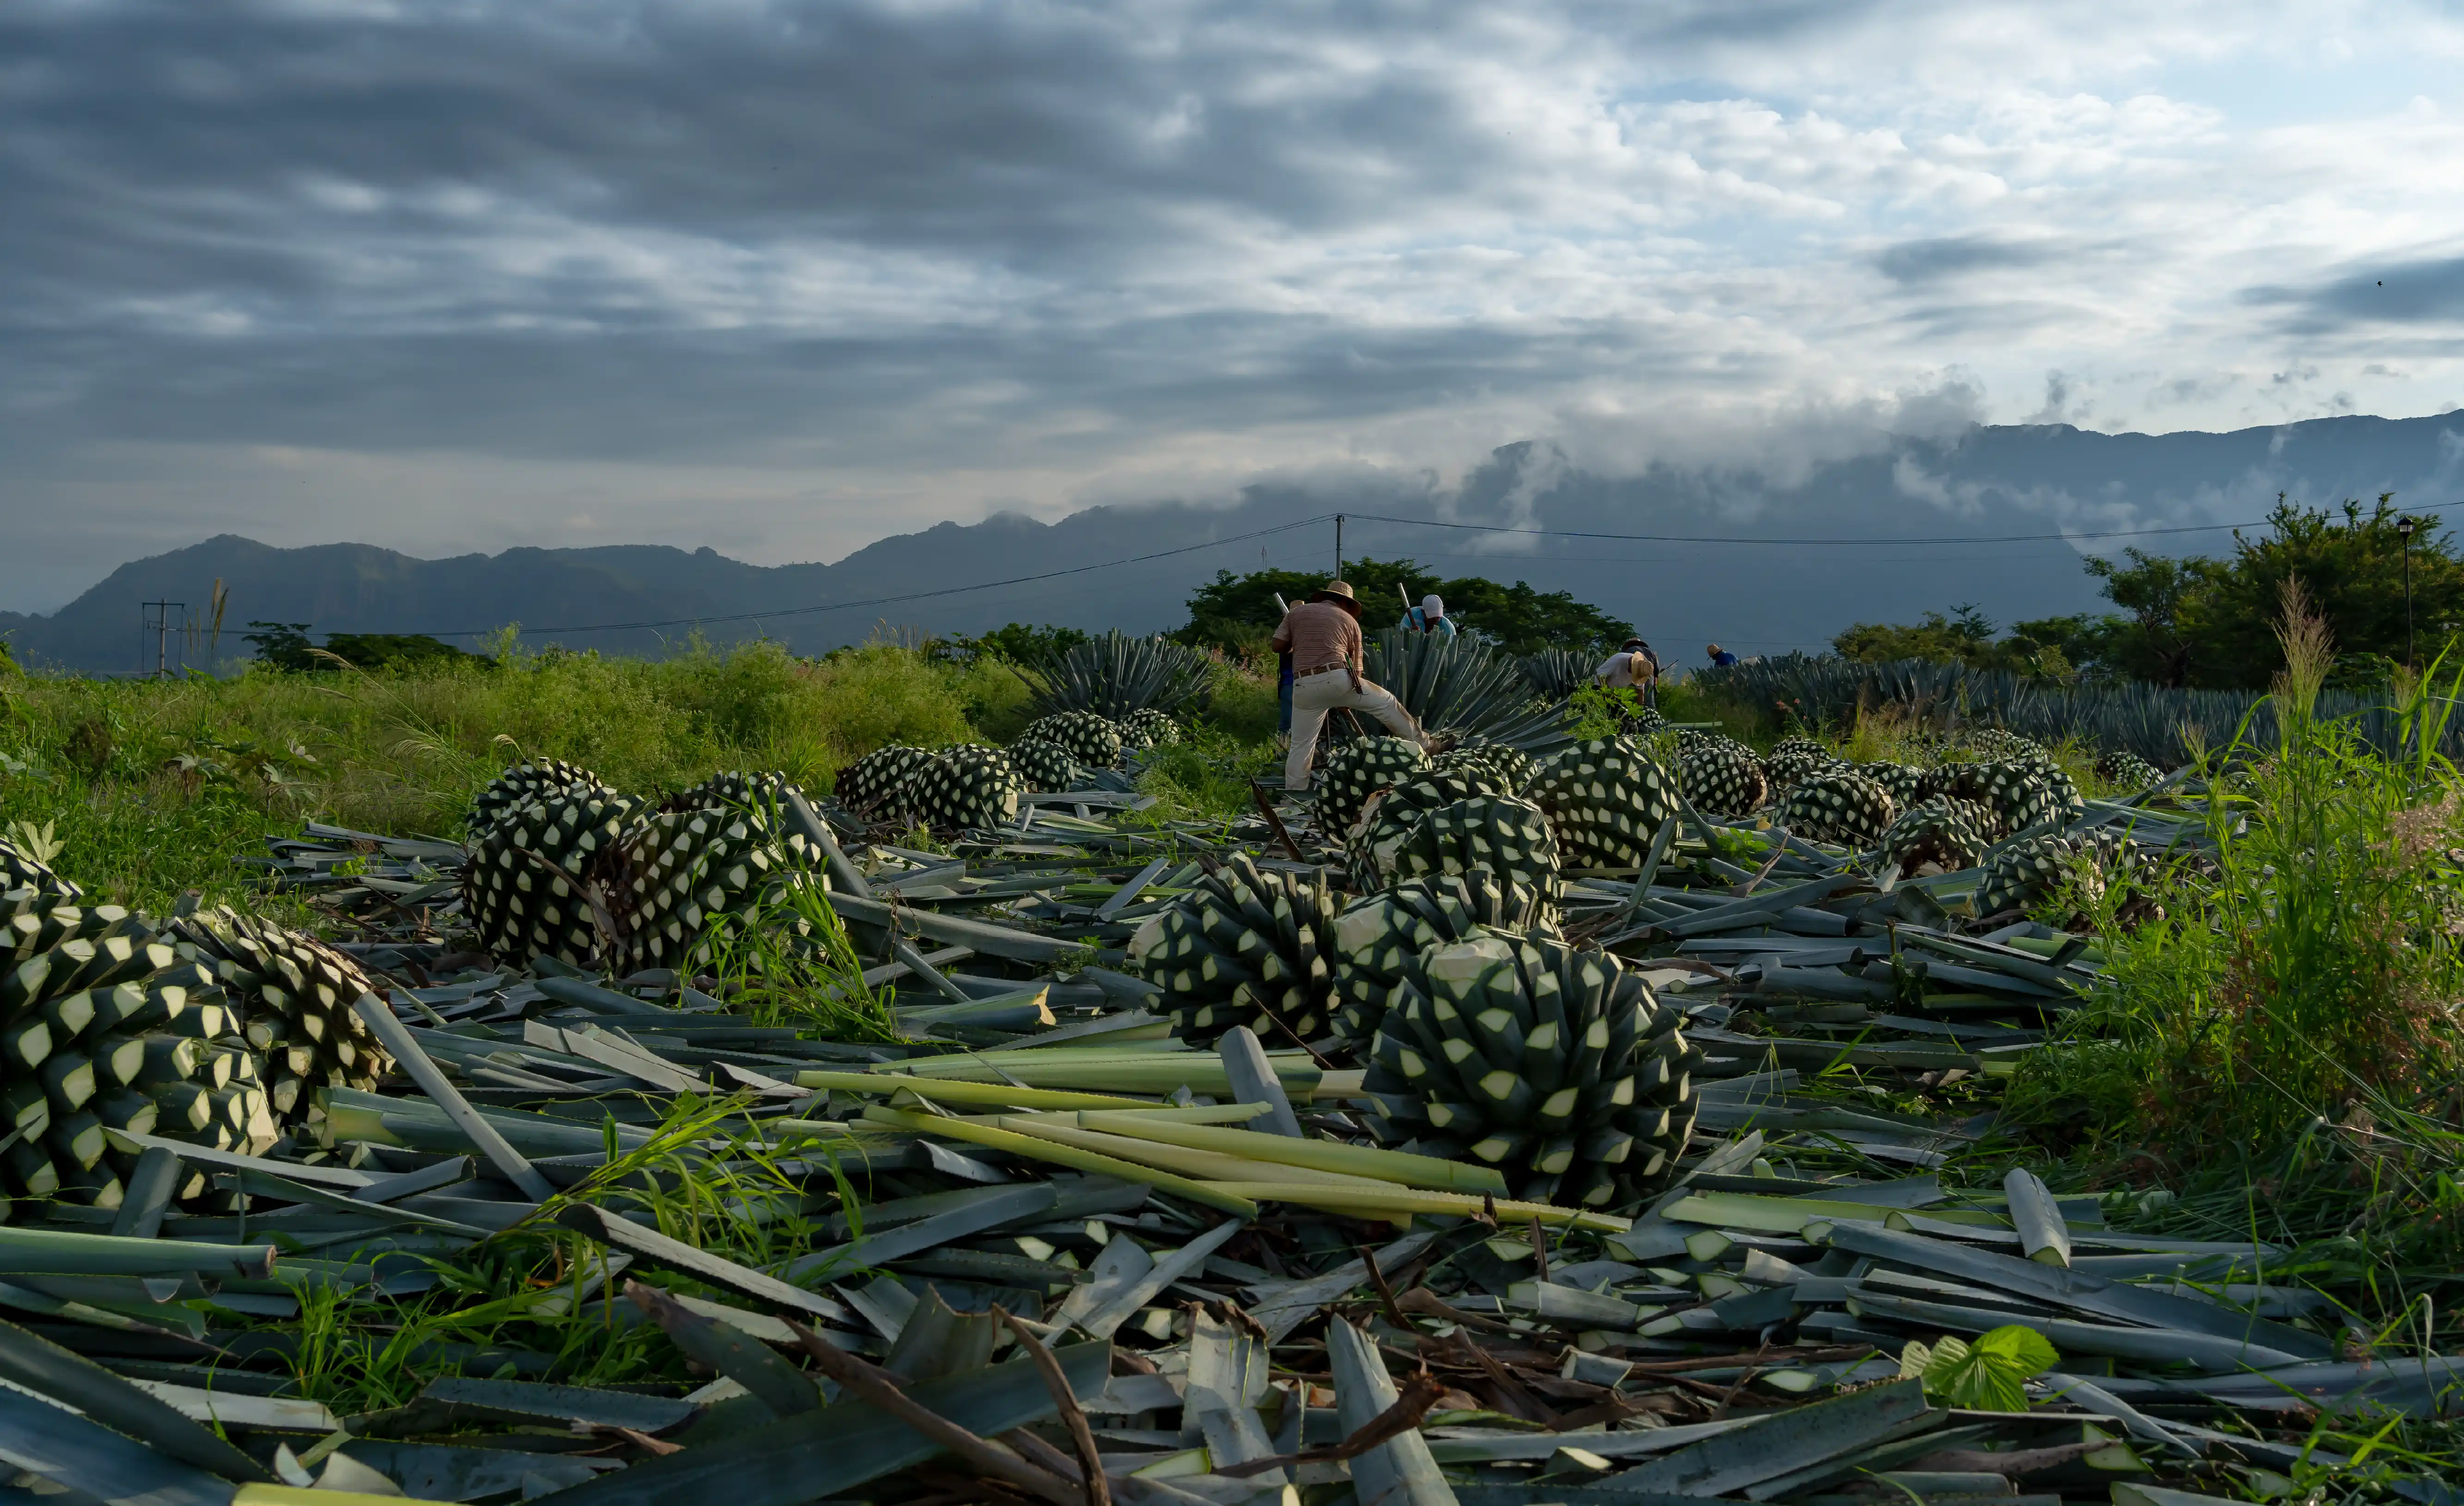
[[888, 601]]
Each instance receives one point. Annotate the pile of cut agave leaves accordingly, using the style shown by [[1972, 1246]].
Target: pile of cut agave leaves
[[919, 1284]]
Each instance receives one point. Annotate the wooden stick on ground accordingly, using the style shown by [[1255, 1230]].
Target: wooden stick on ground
[[1091, 1463], [1266, 808], [868, 1384], [1420, 1393]]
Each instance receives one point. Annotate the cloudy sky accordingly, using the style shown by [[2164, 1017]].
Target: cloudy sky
[[782, 276]]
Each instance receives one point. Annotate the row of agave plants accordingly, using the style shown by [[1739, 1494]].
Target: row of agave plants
[[2167, 726]]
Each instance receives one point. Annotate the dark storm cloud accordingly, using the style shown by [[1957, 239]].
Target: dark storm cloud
[[1929, 261], [554, 226], [2424, 291]]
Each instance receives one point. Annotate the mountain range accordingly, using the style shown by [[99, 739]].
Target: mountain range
[[1770, 553]]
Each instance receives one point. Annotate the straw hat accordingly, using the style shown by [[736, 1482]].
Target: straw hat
[[1338, 592]]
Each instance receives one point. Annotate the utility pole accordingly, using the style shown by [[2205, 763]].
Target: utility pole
[[2404, 528], [154, 621], [1338, 546]]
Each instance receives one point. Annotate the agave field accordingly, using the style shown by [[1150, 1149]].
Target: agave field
[[1968, 1097]]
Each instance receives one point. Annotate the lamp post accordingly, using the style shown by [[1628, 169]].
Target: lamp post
[[2404, 529]]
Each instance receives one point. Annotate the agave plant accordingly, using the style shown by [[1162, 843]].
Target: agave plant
[[2157, 723], [1473, 691], [1555, 674], [1115, 674]]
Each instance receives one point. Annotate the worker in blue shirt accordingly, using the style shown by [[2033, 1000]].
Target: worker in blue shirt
[[1429, 617], [1721, 658]]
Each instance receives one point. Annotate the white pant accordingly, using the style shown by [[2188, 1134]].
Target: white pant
[[1314, 695]]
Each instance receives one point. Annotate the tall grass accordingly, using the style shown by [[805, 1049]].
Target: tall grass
[[2314, 971], [155, 786]]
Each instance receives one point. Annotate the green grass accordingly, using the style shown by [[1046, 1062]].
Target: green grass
[[152, 787]]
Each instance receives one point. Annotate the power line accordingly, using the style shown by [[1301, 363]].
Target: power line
[[892, 601], [1763, 538]]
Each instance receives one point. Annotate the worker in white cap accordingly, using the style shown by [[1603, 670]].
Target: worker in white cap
[[1429, 617]]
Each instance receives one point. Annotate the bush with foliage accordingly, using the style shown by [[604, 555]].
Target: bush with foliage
[[2211, 623]]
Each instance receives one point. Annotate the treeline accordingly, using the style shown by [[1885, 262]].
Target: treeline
[[2210, 624], [1237, 614]]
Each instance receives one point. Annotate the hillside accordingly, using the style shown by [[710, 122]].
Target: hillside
[[1986, 483]]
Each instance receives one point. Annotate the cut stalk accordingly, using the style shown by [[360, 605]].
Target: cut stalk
[[1030, 1146], [994, 1095], [1374, 1201], [1210, 1166], [1321, 1155]]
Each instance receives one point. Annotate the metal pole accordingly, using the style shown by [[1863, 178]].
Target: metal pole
[[1338, 546]]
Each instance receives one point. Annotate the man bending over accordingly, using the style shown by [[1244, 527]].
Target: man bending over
[[1323, 636]]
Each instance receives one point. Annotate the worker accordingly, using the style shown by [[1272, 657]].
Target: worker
[[1721, 658], [1632, 667], [1323, 636], [1429, 617]]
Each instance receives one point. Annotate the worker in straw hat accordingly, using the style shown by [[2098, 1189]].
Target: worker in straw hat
[[1323, 636]]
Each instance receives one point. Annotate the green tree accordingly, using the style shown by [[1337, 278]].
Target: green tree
[[1017, 642], [2155, 641], [2211, 623], [2351, 566], [394, 651], [1965, 637], [1238, 613]]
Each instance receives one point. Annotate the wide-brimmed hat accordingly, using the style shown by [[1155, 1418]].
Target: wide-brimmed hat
[[1338, 592]]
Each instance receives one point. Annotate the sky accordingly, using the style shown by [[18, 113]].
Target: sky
[[783, 277]]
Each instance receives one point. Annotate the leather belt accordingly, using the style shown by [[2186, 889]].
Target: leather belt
[[1320, 669]]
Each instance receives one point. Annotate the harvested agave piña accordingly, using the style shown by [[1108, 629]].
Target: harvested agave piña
[[1557, 1067], [1349, 771], [1721, 778], [1996, 744], [1245, 946], [2126, 771], [109, 1028], [2020, 792], [524, 784], [969, 788], [1792, 761], [1907, 783], [1606, 800], [1043, 765], [1090, 738], [1391, 813], [1838, 806], [523, 885], [880, 786], [1511, 767], [1510, 838], [1941, 831], [2024, 874], [671, 873], [1148, 728], [1378, 939], [296, 998]]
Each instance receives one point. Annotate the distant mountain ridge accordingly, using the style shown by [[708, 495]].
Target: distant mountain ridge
[[1952, 496]]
